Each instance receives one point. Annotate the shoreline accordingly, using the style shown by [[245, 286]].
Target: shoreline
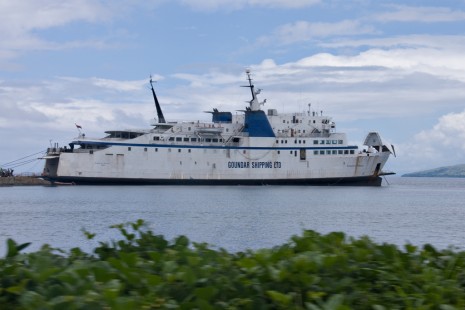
[[23, 181]]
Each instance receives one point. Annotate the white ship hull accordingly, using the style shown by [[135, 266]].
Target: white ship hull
[[255, 149]]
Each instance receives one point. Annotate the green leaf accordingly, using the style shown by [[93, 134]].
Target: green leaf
[[205, 293], [279, 298]]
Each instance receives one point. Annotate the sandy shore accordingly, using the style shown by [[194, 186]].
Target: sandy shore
[[20, 181]]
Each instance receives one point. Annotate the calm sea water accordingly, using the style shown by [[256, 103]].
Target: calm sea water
[[408, 210]]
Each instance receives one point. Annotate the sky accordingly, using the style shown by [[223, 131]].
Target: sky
[[396, 67]]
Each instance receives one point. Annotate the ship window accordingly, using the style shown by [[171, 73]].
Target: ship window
[[295, 153], [334, 152], [145, 149], [277, 141], [315, 141], [243, 151], [315, 152], [346, 152], [129, 148], [188, 128], [284, 121], [156, 138], [236, 140], [295, 141], [322, 152], [178, 139], [339, 141], [91, 152], [179, 150], [291, 152], [279, 152], [189, 150], [169, 150], [194, 139], [186, 139], [322, 141], [208, 140], [304, 141], [285, 141], [227, 129], [340, 152], [328, 141], [328, 152], [352, 152], [302, 154], [171, 139], [334, 141], [221, 140], [215, 140], [156, 149]]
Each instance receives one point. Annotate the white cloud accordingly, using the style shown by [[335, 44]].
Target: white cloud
[[404, 13], [22, 21], [448, 133], [302, 31], [441, 145]]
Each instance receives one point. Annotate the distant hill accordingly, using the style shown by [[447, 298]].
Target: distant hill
[[457, 171]]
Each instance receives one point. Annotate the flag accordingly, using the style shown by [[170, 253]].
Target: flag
[[78, 126]]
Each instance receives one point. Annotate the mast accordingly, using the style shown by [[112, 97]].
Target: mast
[[161, 118], [254, 103]]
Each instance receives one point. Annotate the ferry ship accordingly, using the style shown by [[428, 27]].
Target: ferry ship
[[250, 147]]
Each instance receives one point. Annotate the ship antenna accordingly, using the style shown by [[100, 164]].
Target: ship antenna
[[254, 104], [161, 118]]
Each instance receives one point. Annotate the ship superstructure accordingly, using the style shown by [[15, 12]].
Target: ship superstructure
[[251, 147]]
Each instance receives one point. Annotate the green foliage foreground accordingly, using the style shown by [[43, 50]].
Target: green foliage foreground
[[311, 271]]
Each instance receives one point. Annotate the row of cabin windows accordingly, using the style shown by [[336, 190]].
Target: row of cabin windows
[[187, 139], [297, 121], [284, 141], [333, 152], [327, 142], [315, 152]]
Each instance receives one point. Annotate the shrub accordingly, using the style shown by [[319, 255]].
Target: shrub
[[310, 271]]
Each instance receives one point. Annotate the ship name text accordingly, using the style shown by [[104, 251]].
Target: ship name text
[[254, 164]]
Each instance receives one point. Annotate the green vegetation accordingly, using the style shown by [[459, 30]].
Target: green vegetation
[[457, 171], [311, 271]]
